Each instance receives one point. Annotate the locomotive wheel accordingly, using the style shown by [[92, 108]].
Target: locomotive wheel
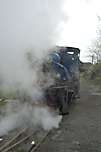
[[70, 97], [63, 102]]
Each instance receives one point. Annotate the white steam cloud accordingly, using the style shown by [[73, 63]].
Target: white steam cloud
[[24, 115], [27, 26]]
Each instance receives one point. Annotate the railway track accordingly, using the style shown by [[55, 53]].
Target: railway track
[[33, 148], [25, 141]]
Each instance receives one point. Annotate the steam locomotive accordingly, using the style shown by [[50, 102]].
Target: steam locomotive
[[63, 66]]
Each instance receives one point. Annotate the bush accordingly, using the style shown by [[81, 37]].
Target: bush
[[93, 74]]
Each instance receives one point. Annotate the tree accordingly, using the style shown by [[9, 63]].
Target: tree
[[95, 49]]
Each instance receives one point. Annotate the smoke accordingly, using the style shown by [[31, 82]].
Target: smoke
[[24, 115], [26, 26], [28, 29]]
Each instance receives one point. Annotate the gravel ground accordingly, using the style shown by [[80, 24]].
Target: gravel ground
[[80, 131]]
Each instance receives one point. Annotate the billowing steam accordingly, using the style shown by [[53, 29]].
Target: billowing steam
[[24, 115], [28, 28]]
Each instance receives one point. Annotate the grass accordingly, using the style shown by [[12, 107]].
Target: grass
[[2, 103]]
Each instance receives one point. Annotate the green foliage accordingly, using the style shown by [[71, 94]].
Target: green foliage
[[7, 94], [2, 103], [93, 74]]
